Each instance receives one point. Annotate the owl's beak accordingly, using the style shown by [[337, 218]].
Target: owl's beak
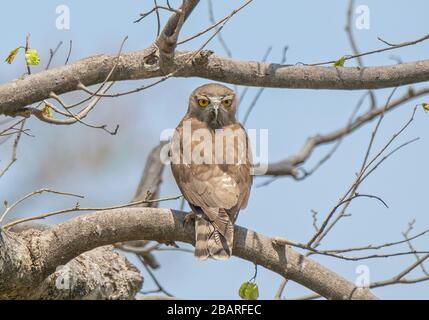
[[216, 111]]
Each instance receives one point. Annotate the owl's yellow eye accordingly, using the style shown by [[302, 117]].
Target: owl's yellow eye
[[227, 103], [203, 102]]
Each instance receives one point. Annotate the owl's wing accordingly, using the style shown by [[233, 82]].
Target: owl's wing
[[242, 172], [245, 181], [204, 185]]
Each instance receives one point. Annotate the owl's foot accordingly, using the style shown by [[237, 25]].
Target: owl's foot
[[189, 218], [170, 244]]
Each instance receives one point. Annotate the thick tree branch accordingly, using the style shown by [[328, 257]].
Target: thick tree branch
[[167, 40], [144, 64], [32, 258]]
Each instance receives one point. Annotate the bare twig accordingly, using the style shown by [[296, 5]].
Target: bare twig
[[155, 9], [358, 180], [261, 90], [14, 148], [77, 208], [350, 34], [27, 47], [390, 47], [409, 239], [71, 117], [52, 53], [166, 77], [246, 89], [219, 35], [154, 278], [69, 53], [31, 194], [158, 20]]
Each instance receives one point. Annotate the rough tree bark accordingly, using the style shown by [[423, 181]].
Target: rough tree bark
[[100, 273]]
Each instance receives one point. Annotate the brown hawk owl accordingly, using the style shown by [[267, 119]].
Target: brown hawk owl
[[210, 161]]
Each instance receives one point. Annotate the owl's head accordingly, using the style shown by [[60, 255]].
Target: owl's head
[[214, 104]]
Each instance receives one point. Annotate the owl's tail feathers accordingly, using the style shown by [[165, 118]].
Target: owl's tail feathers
[[203, 229], [210, 242]]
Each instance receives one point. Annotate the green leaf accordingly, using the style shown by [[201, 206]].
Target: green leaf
[[249, 291], [425, 106], [32, 57], [252, 291], [12, 55], [340, 62], [242, 290]]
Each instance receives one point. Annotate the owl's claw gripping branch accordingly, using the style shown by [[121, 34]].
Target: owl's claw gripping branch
[[190, 218]]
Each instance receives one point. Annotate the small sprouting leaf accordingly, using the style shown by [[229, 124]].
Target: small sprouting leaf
[[249, 291], [252, 291], [32, 57], [425, 106], [340, 62], [12, 55], [47, 111], [242, 290]]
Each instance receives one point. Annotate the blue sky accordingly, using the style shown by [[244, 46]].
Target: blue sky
[[107, 169]]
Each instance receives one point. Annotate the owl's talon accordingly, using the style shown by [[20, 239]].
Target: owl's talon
[[169, 243], [190, 217]]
